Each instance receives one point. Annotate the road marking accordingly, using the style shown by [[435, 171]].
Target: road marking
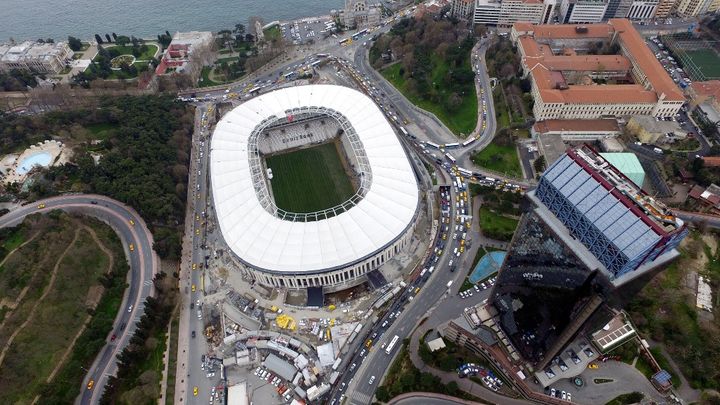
[[360, 398]]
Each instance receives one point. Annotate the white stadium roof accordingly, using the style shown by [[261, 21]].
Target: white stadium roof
[[267, 242]]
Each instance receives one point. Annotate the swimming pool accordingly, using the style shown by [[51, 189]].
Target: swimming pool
[[488, 264], [37, 159]]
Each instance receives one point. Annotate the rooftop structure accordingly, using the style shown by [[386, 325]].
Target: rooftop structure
[[504, 13], [615, 332], [577, 130], [628, 164], [35, 57], [593, 232], [332, 247], [178, 54], [280, 367], [563, 74]]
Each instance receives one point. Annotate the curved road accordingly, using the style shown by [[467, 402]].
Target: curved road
[[143, 266]]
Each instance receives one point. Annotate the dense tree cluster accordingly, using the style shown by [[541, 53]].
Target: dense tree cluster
[[17, 80], [422, 46], [502, 59], [144, 159], [74, 43]]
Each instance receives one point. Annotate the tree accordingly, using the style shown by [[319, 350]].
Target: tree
[[452, 388], [122, 40], [107, 36], [114, 35], [382, 394], [98, 39], [74, 43]]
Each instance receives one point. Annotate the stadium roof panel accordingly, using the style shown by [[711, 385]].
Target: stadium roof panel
[[267, 242]]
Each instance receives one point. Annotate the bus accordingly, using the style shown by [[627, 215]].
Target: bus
[[465, 172], [450, 157], [346, 41], [391, 345], [321, 55], [317, 62], [358, 34], [434, 145], [452, 145], [291, 75], [404, 131], [468, 142], [254, 91]]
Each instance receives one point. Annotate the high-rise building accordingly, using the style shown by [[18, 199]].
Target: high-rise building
[[592, 239], [692, 8], [664, 8], [582, 11], [506, 12], [461, 8], [642, 9], [617, 9]]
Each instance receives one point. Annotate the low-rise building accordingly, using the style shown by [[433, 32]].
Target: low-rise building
[[178, 57], [35, 57], [577, 130], [360, 13], [569, 83]]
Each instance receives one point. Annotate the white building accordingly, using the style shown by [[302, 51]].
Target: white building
[[334, 248], [642, 10], [461, 8], [505, 13], [692, 8], [582, 11], [35, 57]]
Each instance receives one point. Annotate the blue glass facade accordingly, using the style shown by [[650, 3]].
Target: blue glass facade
[[616, 236]]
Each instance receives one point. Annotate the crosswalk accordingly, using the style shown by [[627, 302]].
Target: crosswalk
[[147, 283]]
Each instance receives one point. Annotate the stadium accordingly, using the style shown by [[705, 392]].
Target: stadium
[[311, 187]]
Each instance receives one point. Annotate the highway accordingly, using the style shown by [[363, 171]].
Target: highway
[[143, 262]]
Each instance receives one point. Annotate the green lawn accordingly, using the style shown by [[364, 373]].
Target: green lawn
[[707, 61], [272, 33], [461, 120], [309, 180], [127, 50], [205, 78], [499, 158], [102, 130], [494, 225]]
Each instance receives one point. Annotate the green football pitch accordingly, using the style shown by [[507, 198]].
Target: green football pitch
[[707, 61], [309, 180]]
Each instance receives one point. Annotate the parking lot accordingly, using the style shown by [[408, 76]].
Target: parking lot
[[304, 31]]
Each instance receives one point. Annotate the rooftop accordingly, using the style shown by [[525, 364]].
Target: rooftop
[[542, 64], [628, 164], [710, 88], [602, 125]]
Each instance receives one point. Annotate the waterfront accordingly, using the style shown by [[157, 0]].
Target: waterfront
[[33, 19]]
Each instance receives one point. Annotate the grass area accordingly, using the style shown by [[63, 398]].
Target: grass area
[[499, 158], [644, 367], [461, 120], [707, 61], [172, 361], [74, 297], [627, 399], [127, 50], [665, 365], [205, 80], [502, 114], [224, 51], [101, 131], [310, 179], [273, 33], [492, 223]]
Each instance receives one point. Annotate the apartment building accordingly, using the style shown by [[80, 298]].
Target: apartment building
[[642, 10], [664, 8], [565, 80], [582, 11], [692, 8], [35, 57], [617, 9], [462, 8], [507, 12]]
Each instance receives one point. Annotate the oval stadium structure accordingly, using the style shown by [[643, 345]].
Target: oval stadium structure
[[332, 246]]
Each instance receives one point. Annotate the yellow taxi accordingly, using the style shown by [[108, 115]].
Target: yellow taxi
[[90, 384], [195, 391], [194, 266], [197, 231], [132, 247], [368, 343], [41, 206], [132, 222], [593, 366], [197, 217], [462, 249], [193, 288]]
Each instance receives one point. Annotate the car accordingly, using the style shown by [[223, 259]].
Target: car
[[112, 338], [132, 247], [593, 366], [193, 334], [130, 308], [569, 397], [132, 223], [552, 392], [41, 206], [372, 380], [195, 391], [192, 288], [90, 385], [564, 395]]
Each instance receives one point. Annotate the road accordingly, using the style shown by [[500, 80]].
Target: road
[[143, 262]]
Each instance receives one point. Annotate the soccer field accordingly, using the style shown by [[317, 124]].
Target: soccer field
[[707, 61], [309, 180]]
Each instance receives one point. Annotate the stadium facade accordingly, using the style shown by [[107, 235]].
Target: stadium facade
[[334, 248], [592, 240]]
